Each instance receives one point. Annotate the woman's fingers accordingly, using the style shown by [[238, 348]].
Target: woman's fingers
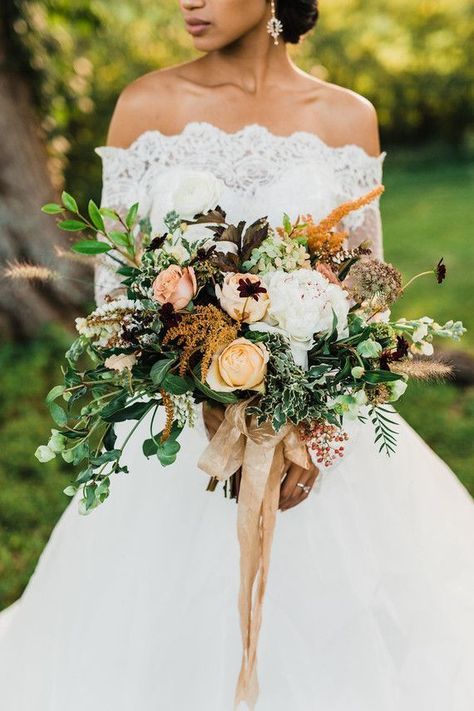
[[292, 491]]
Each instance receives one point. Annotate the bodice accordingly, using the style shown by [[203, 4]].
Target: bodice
[[263, 174]]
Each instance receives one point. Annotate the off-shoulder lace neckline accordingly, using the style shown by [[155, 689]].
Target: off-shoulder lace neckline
[[251, 129]]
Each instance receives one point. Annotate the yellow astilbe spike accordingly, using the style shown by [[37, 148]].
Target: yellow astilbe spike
[[169, 409], [343, 210], [29, 272], [422, 369], [204, 330]]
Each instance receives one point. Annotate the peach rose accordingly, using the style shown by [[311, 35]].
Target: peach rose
[[242, 365], [327, 272], [175, 285], [243, 296]]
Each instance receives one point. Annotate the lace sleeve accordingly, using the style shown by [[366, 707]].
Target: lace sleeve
[[121, 175], [359, 177]]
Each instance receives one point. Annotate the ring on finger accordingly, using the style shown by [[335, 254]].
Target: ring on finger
[[305, 488]]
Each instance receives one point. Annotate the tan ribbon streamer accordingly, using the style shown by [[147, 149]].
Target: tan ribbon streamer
[[261, 452]]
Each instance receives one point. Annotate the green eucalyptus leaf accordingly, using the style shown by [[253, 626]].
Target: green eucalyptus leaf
[[51, 208], [58, 414], [96, 217], [85, 475], [103, 490], [167, 451], [79, 453], [149, 447], [70, 490], [91, 246], [44, 454], [54, 393], [121, 239], [72, 225], [131, 216], [69, 202], [107, 456], [107, 212]]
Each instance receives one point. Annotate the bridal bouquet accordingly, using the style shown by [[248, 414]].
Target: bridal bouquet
[[284, 326], [285, 320]]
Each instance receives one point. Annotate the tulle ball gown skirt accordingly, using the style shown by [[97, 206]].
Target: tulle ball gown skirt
[[369, 605]]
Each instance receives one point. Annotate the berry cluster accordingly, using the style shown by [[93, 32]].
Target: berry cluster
[[325, 440]]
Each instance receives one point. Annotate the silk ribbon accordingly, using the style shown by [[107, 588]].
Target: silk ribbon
[[261, 452]]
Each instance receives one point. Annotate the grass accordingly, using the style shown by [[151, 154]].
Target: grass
[[426, 215]]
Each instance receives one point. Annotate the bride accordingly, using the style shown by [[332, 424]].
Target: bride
[[369, 605]]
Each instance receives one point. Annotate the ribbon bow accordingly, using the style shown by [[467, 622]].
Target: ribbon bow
[[261, 452]]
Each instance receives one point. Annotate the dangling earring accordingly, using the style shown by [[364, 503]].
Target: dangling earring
[[274, 25]]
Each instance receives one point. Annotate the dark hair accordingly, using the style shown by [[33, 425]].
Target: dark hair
[[297, 16]]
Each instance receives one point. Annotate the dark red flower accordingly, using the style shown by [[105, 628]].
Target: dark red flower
[[169, 316], [252, 289], [157, 242], [440, 271], [400, 352]]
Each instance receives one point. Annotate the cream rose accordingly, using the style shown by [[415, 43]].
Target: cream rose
[[236, 297], [242, 365], [176, 286], [120, 362], [188, 192]]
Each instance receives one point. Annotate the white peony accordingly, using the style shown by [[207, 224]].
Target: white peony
[[188, 192], [301, 305]]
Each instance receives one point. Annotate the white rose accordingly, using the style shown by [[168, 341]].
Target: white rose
[[188, 192], [177, 251]]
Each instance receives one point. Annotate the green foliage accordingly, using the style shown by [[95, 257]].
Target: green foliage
[[30, 493], [426, 206], [411, 60]]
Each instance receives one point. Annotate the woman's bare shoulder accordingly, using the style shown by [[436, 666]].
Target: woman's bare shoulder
[[346, 116], [353, 118], [144, 104]]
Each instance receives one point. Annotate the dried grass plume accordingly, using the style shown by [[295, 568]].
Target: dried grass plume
[[29, 272], [423, 369]]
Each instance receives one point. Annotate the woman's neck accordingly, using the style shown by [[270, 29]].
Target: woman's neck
[[252, 63]]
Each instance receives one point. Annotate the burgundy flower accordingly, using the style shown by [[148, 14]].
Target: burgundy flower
[[440, 271], [252, 289], [169, 316], [400, 352]]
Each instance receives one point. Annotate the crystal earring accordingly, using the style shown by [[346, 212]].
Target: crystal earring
[[274, 25]]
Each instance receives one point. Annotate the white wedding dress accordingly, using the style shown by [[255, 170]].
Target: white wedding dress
[[370, 603]]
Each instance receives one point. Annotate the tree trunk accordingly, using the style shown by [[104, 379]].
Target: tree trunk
[[26, 234]]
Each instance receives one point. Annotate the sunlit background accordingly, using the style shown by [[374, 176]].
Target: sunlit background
[[62, 65]]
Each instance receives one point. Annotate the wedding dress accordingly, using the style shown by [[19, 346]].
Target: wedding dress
[[369, 605]]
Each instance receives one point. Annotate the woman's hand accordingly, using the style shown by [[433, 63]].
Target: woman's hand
[[292, 492]]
